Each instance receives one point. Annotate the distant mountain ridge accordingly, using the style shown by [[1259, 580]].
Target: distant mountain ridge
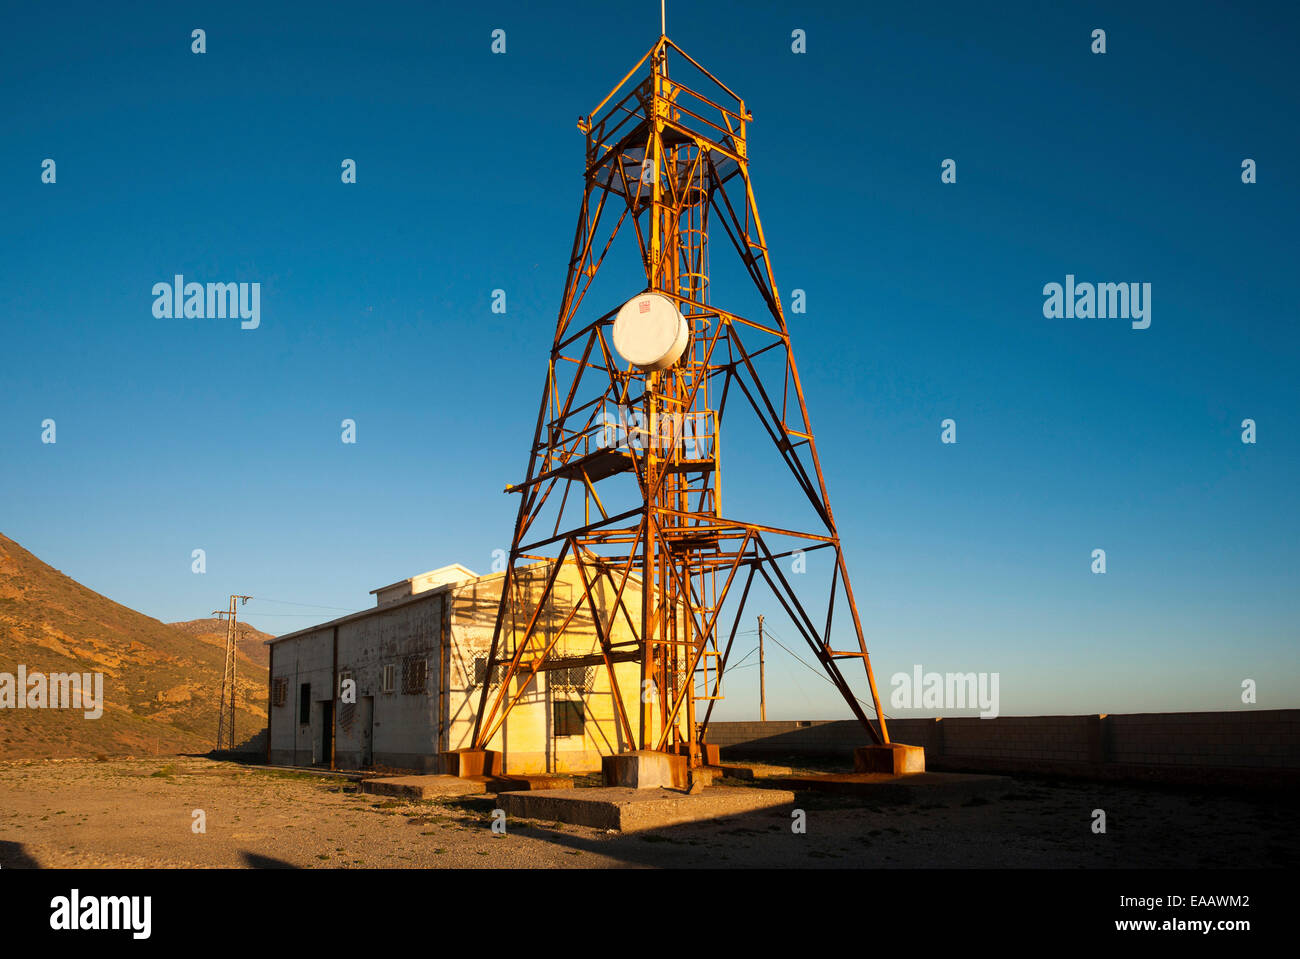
[[248, 640], [162, 683]]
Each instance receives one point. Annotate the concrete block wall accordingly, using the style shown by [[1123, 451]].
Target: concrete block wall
[[1111, 746], [836, 738], [1045, 739], [833, 737], [1257, 738]]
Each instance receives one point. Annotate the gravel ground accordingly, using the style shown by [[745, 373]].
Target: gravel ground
[[140, 813]]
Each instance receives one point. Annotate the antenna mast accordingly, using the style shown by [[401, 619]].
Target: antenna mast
[[623, 488]]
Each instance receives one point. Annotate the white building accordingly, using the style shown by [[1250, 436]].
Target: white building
[[417, 662]]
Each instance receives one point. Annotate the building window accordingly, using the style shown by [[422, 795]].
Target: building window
[[415, 673], [390, 677], [568, 717], [480, 671], [304, 704], [574, 678], [279, 691]]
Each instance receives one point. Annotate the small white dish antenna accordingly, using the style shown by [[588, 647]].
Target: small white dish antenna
[[650, 332]]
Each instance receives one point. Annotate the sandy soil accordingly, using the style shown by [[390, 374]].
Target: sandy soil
[[140, 813]]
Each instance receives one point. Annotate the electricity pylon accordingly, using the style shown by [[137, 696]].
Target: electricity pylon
[[226, 714], [666, 167]]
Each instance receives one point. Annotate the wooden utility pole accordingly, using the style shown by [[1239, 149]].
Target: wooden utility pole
[[226, 714], [762, 684]]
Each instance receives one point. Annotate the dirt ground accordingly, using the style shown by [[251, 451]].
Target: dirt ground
[[141, 813]]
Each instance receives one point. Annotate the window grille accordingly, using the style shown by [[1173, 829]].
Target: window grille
[[575, 678], [415, 674], [480, 671]]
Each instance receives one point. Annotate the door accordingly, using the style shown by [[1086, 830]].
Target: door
[[327, 734], [367, 731]]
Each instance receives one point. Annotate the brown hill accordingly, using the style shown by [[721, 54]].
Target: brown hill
[[162, 684], [247, 640]]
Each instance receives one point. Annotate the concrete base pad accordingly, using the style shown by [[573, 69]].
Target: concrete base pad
[[893, 758], [512, 783], [920, 787], [424, 787], [630, 810], [437, 787], [752, 771], [707, 775]]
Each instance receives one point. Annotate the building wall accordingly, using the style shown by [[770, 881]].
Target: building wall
[[305, 659], [406, 637], [403, 724]]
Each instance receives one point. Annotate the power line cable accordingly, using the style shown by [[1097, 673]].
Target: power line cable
[[285, 602], [821, 673]]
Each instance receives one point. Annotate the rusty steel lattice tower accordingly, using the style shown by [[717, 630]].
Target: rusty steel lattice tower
[[624, 478], [226, 711]]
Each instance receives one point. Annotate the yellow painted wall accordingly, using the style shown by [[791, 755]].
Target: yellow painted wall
[[526, 738]]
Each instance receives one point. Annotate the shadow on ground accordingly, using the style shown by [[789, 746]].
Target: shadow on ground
[[13, 855], [254, 861]]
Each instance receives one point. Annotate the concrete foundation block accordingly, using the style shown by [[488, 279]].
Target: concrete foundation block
[[894, 759], [472, 762], [646, 769]]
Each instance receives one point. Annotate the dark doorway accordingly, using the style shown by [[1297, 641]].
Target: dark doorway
[[367, 731], [327, 734]]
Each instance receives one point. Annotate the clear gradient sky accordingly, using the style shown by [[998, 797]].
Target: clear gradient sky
[[924, 302]]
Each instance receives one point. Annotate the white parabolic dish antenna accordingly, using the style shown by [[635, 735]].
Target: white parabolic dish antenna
[[650, 332]]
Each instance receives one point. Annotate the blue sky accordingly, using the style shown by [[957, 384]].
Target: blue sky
[[924, 302]]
